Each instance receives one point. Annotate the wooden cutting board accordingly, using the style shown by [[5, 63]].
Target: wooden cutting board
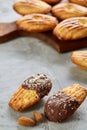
[[9, 31]]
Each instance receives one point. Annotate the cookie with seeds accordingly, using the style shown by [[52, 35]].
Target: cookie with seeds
[[25, 7], [61, 105], [32, 90], [37, 23], [68, 10]]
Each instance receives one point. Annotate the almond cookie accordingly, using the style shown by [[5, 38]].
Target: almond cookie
[[30, 92], [68, 10], [37, 23], [79, 58], [71, 29], [64, 103], [80, 2], [52, 1], [25, 7]]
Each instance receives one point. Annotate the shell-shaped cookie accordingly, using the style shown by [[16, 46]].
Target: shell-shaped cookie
[[80, 2], [52, 1], [31, 91], [25, 7], [71, 29], [61, 105], [76, 91], [68, 10], [79, 58], [37, 23]]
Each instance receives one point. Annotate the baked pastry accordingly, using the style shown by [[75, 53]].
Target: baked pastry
[[52, 1], [68, 10], [71, 29], [80, 2], [25, 7], [79, 58], [37, 23], [64, 103], [30, 92]]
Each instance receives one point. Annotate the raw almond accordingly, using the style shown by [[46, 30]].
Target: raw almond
[[38, 117], [26, 121]]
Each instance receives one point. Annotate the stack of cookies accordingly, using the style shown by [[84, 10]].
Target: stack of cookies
[[67, 20]]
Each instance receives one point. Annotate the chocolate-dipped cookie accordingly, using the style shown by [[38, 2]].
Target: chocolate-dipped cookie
[[64, 103], [32, 90]]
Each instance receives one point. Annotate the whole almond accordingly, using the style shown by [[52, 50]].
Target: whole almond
[[26, 121], [38, 117]]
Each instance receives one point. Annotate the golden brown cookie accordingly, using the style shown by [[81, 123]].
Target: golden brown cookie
[[79, 58], [37, 23], [71, 29], [52, 1], [64, 103], [68, 10], [76, 91], [30, 92], [80, 2], [25, 7]]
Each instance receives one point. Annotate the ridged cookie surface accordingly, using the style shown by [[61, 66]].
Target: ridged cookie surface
[[76, 91], [37, 23], [25, 7], [68, 10], [30, 92], [71, 29], [64, 103], [79, 58]]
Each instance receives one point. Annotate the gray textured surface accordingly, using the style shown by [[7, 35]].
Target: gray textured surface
[[22, 57]]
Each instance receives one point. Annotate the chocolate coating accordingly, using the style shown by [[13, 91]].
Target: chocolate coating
[[38, 82], [60, 106]]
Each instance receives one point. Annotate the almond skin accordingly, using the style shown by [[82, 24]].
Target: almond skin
[[26, 121], [38, 117]]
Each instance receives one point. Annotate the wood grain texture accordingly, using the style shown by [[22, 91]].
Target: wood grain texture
[[9, 31]]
